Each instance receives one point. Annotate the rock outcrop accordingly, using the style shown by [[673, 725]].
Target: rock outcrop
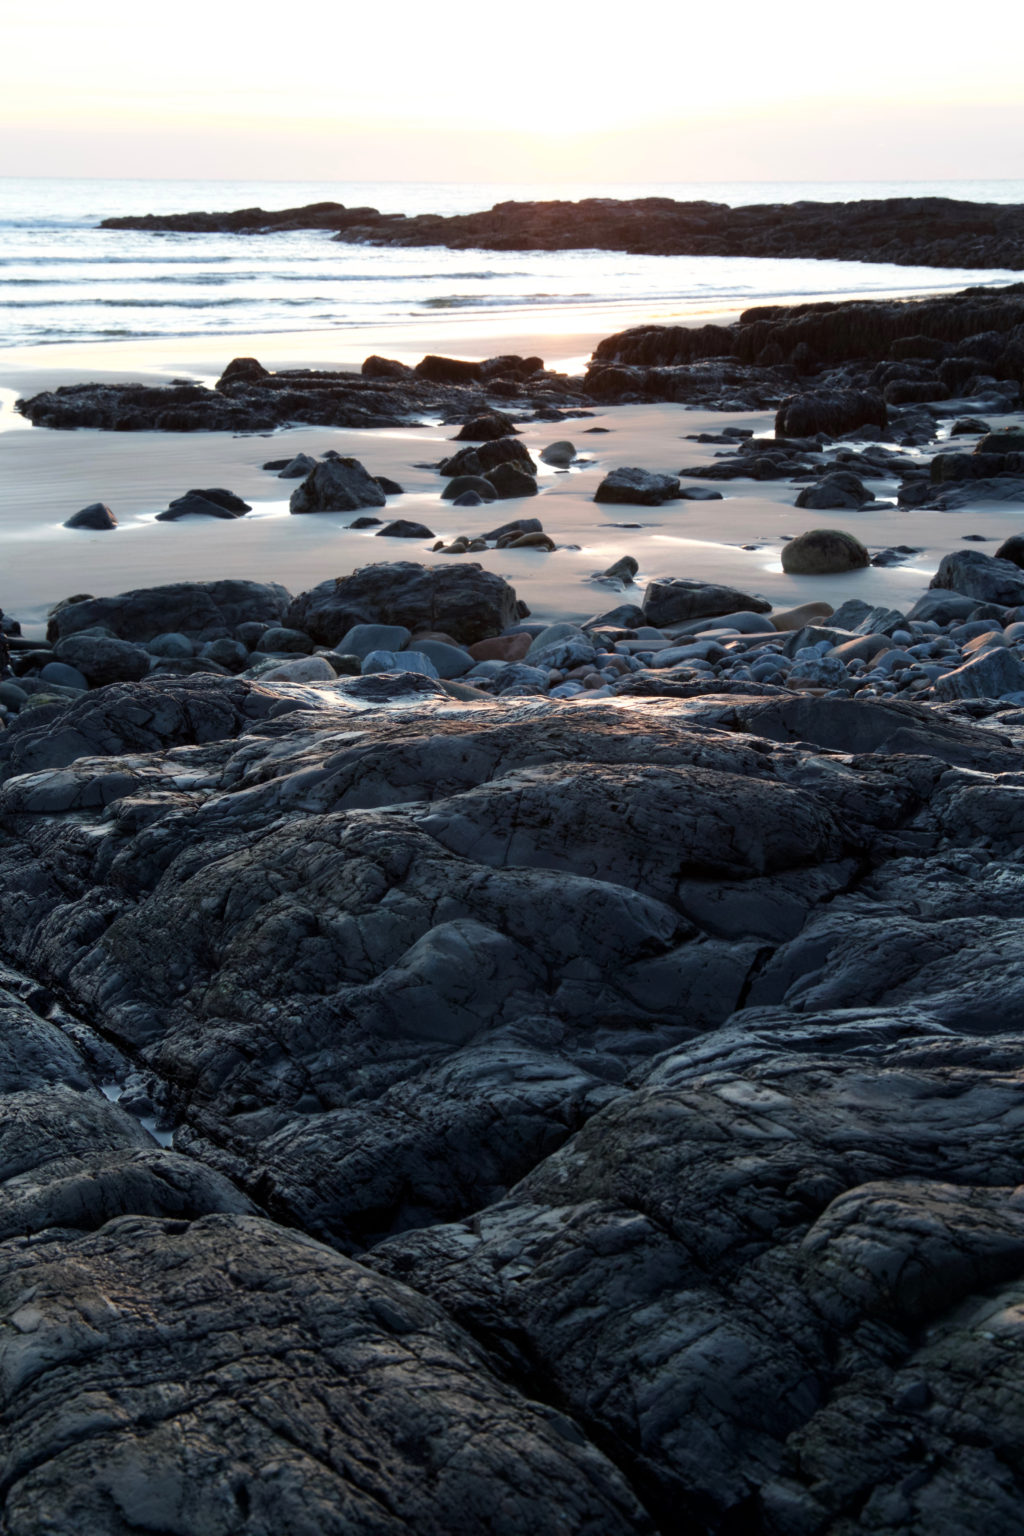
[[913, 231], [595, 1119]]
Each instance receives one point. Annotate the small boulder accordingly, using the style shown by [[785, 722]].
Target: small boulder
[[375, 367], [297, 468], [447, 370], [486, 428], [463, 485], [399, 661], [986, 578], [510, 481], [990, 675], [795, 618], [676, 599], [337, 485], [213, 502], [502, 648], [833, 412], [402, 528], [637, 487], [823, 552], [364, 638], [103, 660], [278, 639], [560, 455], [488, 455], [97, 517], [389, 487], [837, 491], [302, 669], [1012, 549], [62, 675], [624, 569]]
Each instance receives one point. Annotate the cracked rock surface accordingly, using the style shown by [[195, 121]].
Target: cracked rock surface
[[584, 1119]]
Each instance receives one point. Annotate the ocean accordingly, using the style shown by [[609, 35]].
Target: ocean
[[62, 279]]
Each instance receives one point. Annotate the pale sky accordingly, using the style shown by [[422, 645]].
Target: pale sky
[[453, 90]]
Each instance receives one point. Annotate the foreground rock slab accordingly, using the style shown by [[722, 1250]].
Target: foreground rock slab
[[652, 1058]]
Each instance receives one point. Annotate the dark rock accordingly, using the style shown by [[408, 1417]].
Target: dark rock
[[464, 485], [401, 528], [384, 368], [509, 481], [675, 599], [278, 638], [102, 660], [490, 427], [637, 487], [835, 414], [96, 516], [1012, 549], [836, 490], [337, 485], [209, 503], [517, 526], [297, 468], [488, 455], [366, 522], [389, 487], [447, 370], [205, 608], [985, 578], [244, 370], [823, 552], [462, 600]]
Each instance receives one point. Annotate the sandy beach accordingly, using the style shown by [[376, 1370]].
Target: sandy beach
[[45, 476]]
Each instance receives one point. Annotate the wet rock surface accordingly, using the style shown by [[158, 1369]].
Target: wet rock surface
[[596, 1116]]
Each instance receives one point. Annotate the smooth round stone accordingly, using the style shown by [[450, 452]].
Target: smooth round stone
[[172, 645], [901, 637], [226, 653], [893, 661], [303, 669], [11, 695], [364, 638], [450, 660], [559, 454], [398, 661], [63, 675]]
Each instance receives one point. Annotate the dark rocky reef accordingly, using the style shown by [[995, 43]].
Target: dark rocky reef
[[586, 1118], [937, 351], [909, 231], [914, 358], [249, 398]]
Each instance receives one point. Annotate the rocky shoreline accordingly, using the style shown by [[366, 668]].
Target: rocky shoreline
[[952, 355], [585, 1058], [908, 231]]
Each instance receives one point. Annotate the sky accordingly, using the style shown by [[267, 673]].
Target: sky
[[459, 90]]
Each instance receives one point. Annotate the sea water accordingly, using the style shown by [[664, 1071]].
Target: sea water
[[63, 279]]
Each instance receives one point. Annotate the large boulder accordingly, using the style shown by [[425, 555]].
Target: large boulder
[[832, 411], [637, 487], [207, 609], [337, 485], [823, 552], [463, 601], [984, 577], [676, 599]]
